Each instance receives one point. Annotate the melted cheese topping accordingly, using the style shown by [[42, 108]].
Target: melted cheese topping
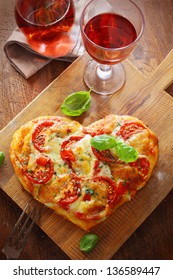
[[81, 180]]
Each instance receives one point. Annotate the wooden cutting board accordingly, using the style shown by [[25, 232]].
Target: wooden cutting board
[[142, 97]]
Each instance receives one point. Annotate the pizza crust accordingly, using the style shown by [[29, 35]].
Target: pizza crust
[[54, 161]]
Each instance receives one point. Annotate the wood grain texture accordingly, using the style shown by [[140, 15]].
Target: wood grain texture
[[16, 93]]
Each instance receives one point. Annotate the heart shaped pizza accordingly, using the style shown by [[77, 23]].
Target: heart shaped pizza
[[55, 161]]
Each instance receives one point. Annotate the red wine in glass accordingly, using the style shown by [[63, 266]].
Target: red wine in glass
[[46, 24], [110, 31]]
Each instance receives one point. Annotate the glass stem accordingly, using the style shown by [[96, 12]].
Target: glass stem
[[104, 72]]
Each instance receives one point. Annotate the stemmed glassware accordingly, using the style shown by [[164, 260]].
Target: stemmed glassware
[[46, 25], [110, 30]]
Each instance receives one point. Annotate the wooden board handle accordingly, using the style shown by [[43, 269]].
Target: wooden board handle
[[163, 75]]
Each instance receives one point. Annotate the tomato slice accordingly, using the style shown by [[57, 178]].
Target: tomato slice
[[96, 210], [113, 192], [112, 189], [66, 151], [42, 160], [104, 155], [142, 165], [43, 171], [130, 128], [97, 168], [38, 137], [123, 187], [71, 193]]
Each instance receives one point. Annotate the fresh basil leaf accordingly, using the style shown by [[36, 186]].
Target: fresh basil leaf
[[76, 103], [103, 142], [125, 152], [88, 242], [2, 156]]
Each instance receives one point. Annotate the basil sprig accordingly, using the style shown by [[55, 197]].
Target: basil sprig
[[125, 152], [2, 157], [88, 242], [76, 103]]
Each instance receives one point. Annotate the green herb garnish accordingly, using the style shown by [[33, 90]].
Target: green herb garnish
[[76, 103], [125, 152], [88, 242], [2, 157], [89, 191]]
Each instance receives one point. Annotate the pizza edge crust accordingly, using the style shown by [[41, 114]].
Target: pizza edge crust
[[86, 225]]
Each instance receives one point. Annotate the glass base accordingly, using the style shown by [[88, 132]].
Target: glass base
[[107, 82]]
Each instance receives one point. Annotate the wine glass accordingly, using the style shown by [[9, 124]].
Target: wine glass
[[46, 25], [110, 30]]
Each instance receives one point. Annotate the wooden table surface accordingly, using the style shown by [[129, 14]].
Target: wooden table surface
[[153, 239]]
